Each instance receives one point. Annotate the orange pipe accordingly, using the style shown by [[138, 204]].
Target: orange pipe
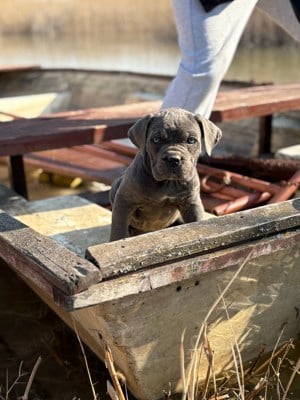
[[214, 188], [241, 203], [252, 183], [289, 188]]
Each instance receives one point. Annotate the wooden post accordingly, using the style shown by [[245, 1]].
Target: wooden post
[[265, 134], [17, 175]]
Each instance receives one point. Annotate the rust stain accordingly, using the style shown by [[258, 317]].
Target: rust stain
[[178, 273]]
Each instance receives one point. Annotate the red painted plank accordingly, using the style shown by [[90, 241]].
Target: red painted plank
[[94, 125], [72, 162], [256, 101]]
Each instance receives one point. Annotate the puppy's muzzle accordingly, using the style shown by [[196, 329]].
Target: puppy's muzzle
[[173, 161]]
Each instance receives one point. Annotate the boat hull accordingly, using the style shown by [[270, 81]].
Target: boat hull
[[166, 283]]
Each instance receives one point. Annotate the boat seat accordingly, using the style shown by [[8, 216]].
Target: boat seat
[[89, 162], [108, 161], [262, 101], [109, 123]]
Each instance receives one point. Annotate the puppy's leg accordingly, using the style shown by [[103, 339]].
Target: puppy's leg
[[113, 190], [192, 211], [121, 214]]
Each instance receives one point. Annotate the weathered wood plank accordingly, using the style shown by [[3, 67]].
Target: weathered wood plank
[[116, 120], [180, 270], [120, 148], [105, 152], [181, 242], [72, 221], [112, 114], [40, 259], [60, 129], [102, 162], [255, 101], [72, 162], [69, 129], [23, 136]]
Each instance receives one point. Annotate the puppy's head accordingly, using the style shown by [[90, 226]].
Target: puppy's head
[[171, 142]]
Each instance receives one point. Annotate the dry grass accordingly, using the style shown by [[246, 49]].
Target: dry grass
[[243, 383], [114, 390], [258, 381], [261, 380], [76, 17], [5, 391]]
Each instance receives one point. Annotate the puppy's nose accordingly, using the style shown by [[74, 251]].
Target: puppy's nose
[[173, 160]]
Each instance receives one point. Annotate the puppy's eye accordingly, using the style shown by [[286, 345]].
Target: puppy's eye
[[156, 139], [191, 140]]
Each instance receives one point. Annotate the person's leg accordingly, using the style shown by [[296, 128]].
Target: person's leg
[[207, 42], [283, 14]]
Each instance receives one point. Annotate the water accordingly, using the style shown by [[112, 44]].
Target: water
[[143, 53]]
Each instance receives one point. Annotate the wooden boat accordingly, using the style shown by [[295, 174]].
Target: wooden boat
[[137, 296], [83, 89], [32, 91]]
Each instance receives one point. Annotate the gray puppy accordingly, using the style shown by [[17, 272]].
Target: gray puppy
[[161, 186]]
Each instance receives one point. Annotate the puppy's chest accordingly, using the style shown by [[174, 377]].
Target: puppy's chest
[[152, 215], [159, 207], [162, 203], [171, 191]]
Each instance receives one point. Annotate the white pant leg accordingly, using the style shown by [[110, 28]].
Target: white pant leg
[[208, 42], [282, 13]]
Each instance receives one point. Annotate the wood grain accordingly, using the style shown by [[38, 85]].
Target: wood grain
[[40, 259], [181, 242]]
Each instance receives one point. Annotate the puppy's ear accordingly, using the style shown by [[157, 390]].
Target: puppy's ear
[[138, 132], [211, 134]]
